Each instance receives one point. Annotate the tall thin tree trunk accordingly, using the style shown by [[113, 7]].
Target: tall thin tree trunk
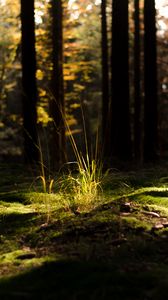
[[150, 77], [105, 81], [29, 94], [57, 110], [137, 97], [120, 115]]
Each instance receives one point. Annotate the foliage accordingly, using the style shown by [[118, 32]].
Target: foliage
[[9, 43], [82, 64]]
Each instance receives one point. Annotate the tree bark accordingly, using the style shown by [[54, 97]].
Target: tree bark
[[29, 89], [120, 114], [150, 77], [57, 110], [137, 79], [105, 82]]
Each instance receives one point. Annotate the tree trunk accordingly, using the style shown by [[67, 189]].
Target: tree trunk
[[105, 82], [150, 77], [120, 114], [29, 93], [137, 97], [57, 110]]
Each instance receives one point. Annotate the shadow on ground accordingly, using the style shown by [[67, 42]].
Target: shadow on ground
[[78, 280]]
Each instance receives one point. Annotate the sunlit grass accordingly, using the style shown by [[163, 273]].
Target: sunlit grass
[[83, 190]]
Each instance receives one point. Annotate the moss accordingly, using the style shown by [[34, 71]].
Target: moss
[[111, 251], [133, 223]]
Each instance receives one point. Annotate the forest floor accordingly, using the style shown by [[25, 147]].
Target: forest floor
[[115, 249]]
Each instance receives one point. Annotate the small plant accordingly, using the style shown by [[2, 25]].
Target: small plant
[[79, 190], [47, 186], [82, 189]]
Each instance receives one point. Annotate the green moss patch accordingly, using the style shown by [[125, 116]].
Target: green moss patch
[[114, 249]]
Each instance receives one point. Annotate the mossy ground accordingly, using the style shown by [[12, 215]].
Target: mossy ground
[[117, 249]]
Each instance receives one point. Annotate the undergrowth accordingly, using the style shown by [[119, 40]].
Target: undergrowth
[[79, 190]]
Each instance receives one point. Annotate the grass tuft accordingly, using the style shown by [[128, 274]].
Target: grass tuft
[[82, 190]]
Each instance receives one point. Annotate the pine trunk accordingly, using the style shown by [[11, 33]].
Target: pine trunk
[[29, 90], [137, 79], [57, 111], [150, 77], [105, 81], [120, 114]]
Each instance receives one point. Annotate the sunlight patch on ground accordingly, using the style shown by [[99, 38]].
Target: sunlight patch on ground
[[14, 208], [14, 262]]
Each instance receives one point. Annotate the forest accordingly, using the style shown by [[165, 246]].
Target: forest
[[83, 149]]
